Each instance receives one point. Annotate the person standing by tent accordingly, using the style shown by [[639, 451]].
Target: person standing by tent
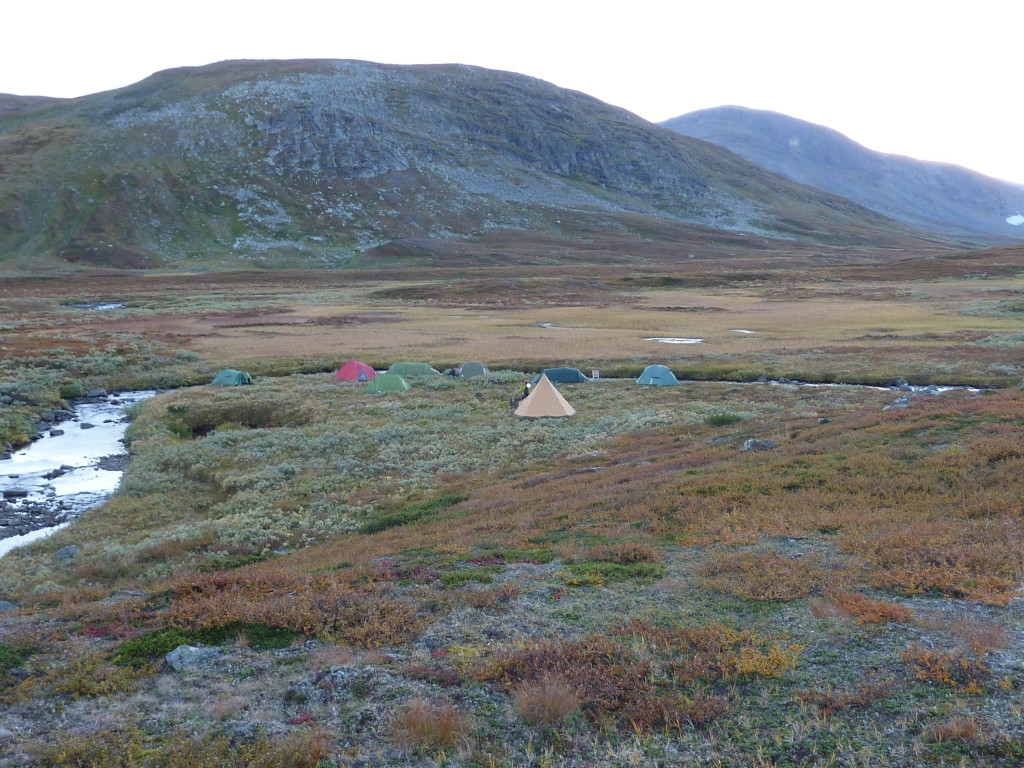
[[523, 394]]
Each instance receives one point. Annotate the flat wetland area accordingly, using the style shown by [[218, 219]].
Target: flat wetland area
[[729, 572]]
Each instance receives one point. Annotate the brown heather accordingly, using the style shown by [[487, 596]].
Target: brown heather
[[546, 701], [962, 729], [953, 668], [867, 611], [829, 700], [620, 679], [428, 725], [317, 606]]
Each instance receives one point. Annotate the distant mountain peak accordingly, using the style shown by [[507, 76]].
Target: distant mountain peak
[[938, 197]]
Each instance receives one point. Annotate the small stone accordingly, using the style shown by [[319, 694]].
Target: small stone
[[189, 656], [758, 444], [69, 552], [86, 425], [56, 432]]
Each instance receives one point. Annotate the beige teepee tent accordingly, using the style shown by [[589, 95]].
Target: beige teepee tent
[[544, 401]]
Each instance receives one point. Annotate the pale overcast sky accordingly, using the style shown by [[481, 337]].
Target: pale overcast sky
[[934, 80]]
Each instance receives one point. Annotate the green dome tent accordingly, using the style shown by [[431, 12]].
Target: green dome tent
[[413, 369], [473, 369], [562, 376], [231, 378], [658, 376], [386, 382]]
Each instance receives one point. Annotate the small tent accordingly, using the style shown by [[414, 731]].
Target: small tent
[[544, 402], [473, 369], [658, 376], [231, 378], [562, 376], [354, 370], [386, 382], [413, 369]]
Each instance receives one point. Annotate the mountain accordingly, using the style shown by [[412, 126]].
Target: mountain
[[333, 163], [940, 198], [9, 103]]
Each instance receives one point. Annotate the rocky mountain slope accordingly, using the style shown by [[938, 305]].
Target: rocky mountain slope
[[937, 197], [303, 163]]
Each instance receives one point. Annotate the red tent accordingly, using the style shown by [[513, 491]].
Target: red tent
[[353, 370]]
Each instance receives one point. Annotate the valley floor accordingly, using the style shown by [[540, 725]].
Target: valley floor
[[731, 574]]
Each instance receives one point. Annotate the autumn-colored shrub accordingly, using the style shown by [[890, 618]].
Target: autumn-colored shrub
[[545, 701], [443, 677], [597, 573], [766, 576], [953, 668], [490, 598], [81, 676], [317, 606], [829, 700], [979, 635], [128, 748], [867, 611], [623, 553], [330, 655], [714, 652], [643, 676], [421, 724], [962, 729]]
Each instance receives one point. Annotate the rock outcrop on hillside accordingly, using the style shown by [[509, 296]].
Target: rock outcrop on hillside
[[302, 163], [937, 197]]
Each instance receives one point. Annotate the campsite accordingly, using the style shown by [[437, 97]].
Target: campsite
[[737, 571]]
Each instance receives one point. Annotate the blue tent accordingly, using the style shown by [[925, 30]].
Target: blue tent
[[231, 378], [658, 376]]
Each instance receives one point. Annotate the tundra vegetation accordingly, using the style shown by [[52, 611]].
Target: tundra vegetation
[[417, 578]]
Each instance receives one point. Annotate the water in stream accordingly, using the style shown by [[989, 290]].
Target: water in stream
[[56, 478]]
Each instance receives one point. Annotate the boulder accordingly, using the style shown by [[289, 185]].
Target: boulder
[[96, 393], [7, 605], [69, 552], [189, 656], [56, 432], [758, 444], [15, 493], [86, 425], [5, 455], [902, 385]]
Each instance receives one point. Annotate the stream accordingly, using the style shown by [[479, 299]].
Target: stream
[[72, 468]]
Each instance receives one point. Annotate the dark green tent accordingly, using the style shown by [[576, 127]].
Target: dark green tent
[[473, 369], [413, 369], [658, 376], [562, 376], [231, 378], [386, 382]]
